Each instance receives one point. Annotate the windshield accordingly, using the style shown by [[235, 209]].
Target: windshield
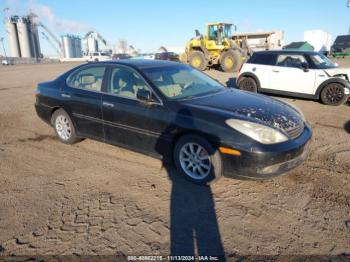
[[182, 82], [224, 29], [322, 62], [227, 31]]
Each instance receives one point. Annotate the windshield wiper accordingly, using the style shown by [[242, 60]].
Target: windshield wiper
[[212, 92], [202, 94]]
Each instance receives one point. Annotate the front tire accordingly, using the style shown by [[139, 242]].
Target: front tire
[[333, 94], [230, 61], [197, 60], [64, 127], [197, 160], [248, 84]]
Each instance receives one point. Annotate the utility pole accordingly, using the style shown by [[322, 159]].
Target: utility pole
[[6, 15], [3, 47], [348, 5]]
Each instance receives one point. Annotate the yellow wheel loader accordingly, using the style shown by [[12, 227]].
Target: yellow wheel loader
[[215, 48]]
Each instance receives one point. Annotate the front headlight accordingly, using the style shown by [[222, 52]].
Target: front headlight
[[260, 133]]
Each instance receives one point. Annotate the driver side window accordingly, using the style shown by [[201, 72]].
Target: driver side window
[[126, 83]]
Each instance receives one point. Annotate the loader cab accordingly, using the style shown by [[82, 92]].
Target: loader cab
[[218, 32]]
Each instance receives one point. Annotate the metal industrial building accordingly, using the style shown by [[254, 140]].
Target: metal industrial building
[[71, 46], [23, 36], [23, 39]]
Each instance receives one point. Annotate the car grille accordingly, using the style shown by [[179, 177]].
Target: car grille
[[296, 131]]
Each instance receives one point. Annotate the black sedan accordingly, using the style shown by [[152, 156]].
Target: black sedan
[[170, 56], [179, 114], [120, 56]]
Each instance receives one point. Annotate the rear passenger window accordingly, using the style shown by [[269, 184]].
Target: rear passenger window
[[263, 59], [291, 60], [89, 78]]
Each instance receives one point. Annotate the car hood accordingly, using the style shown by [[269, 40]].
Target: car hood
[[251, 107], [338, 71]]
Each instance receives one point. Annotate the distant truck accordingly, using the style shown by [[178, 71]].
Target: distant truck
[[320, 40], [341, 46], [97, 56], [6, 61]]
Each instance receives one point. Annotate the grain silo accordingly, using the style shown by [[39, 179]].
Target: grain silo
[[71, 46], [34, 37], [78, 49], [24, 37], [32, 42], [73, 40], [12, 36], [92, 44], [75, 45], [67, 46]]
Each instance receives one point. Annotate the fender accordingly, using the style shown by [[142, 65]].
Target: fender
[[329, 81], [249, 74], [342, 75]]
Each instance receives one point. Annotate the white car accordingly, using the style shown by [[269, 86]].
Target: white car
[[302, 74], [6, 62], [97, 56]]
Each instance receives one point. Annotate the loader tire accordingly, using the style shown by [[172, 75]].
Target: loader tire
[[230, 61], [197, 60]]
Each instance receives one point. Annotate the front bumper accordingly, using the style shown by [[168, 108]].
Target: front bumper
[[268, 160]]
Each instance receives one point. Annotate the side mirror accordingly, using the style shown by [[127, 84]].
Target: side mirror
[[305, 67], [144, 95]]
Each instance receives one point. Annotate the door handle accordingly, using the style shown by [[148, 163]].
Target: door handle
[[275, 71], [65, 95], [106, 104]]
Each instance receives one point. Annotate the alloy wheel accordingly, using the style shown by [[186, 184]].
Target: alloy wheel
[[334, 93], [248, 85], [63, 127], [195, 161]]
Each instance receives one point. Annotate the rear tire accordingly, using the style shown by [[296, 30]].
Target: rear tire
[[197, 60], [197, 160], [230, 61], [248, 84], [64, 127], [333, 94]]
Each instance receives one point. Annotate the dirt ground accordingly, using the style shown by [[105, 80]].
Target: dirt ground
[[93, 198]]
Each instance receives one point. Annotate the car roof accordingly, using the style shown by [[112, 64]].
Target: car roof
[[141, 63], [299, 52]]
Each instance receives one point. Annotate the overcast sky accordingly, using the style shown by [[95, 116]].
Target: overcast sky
[[149, 24]]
